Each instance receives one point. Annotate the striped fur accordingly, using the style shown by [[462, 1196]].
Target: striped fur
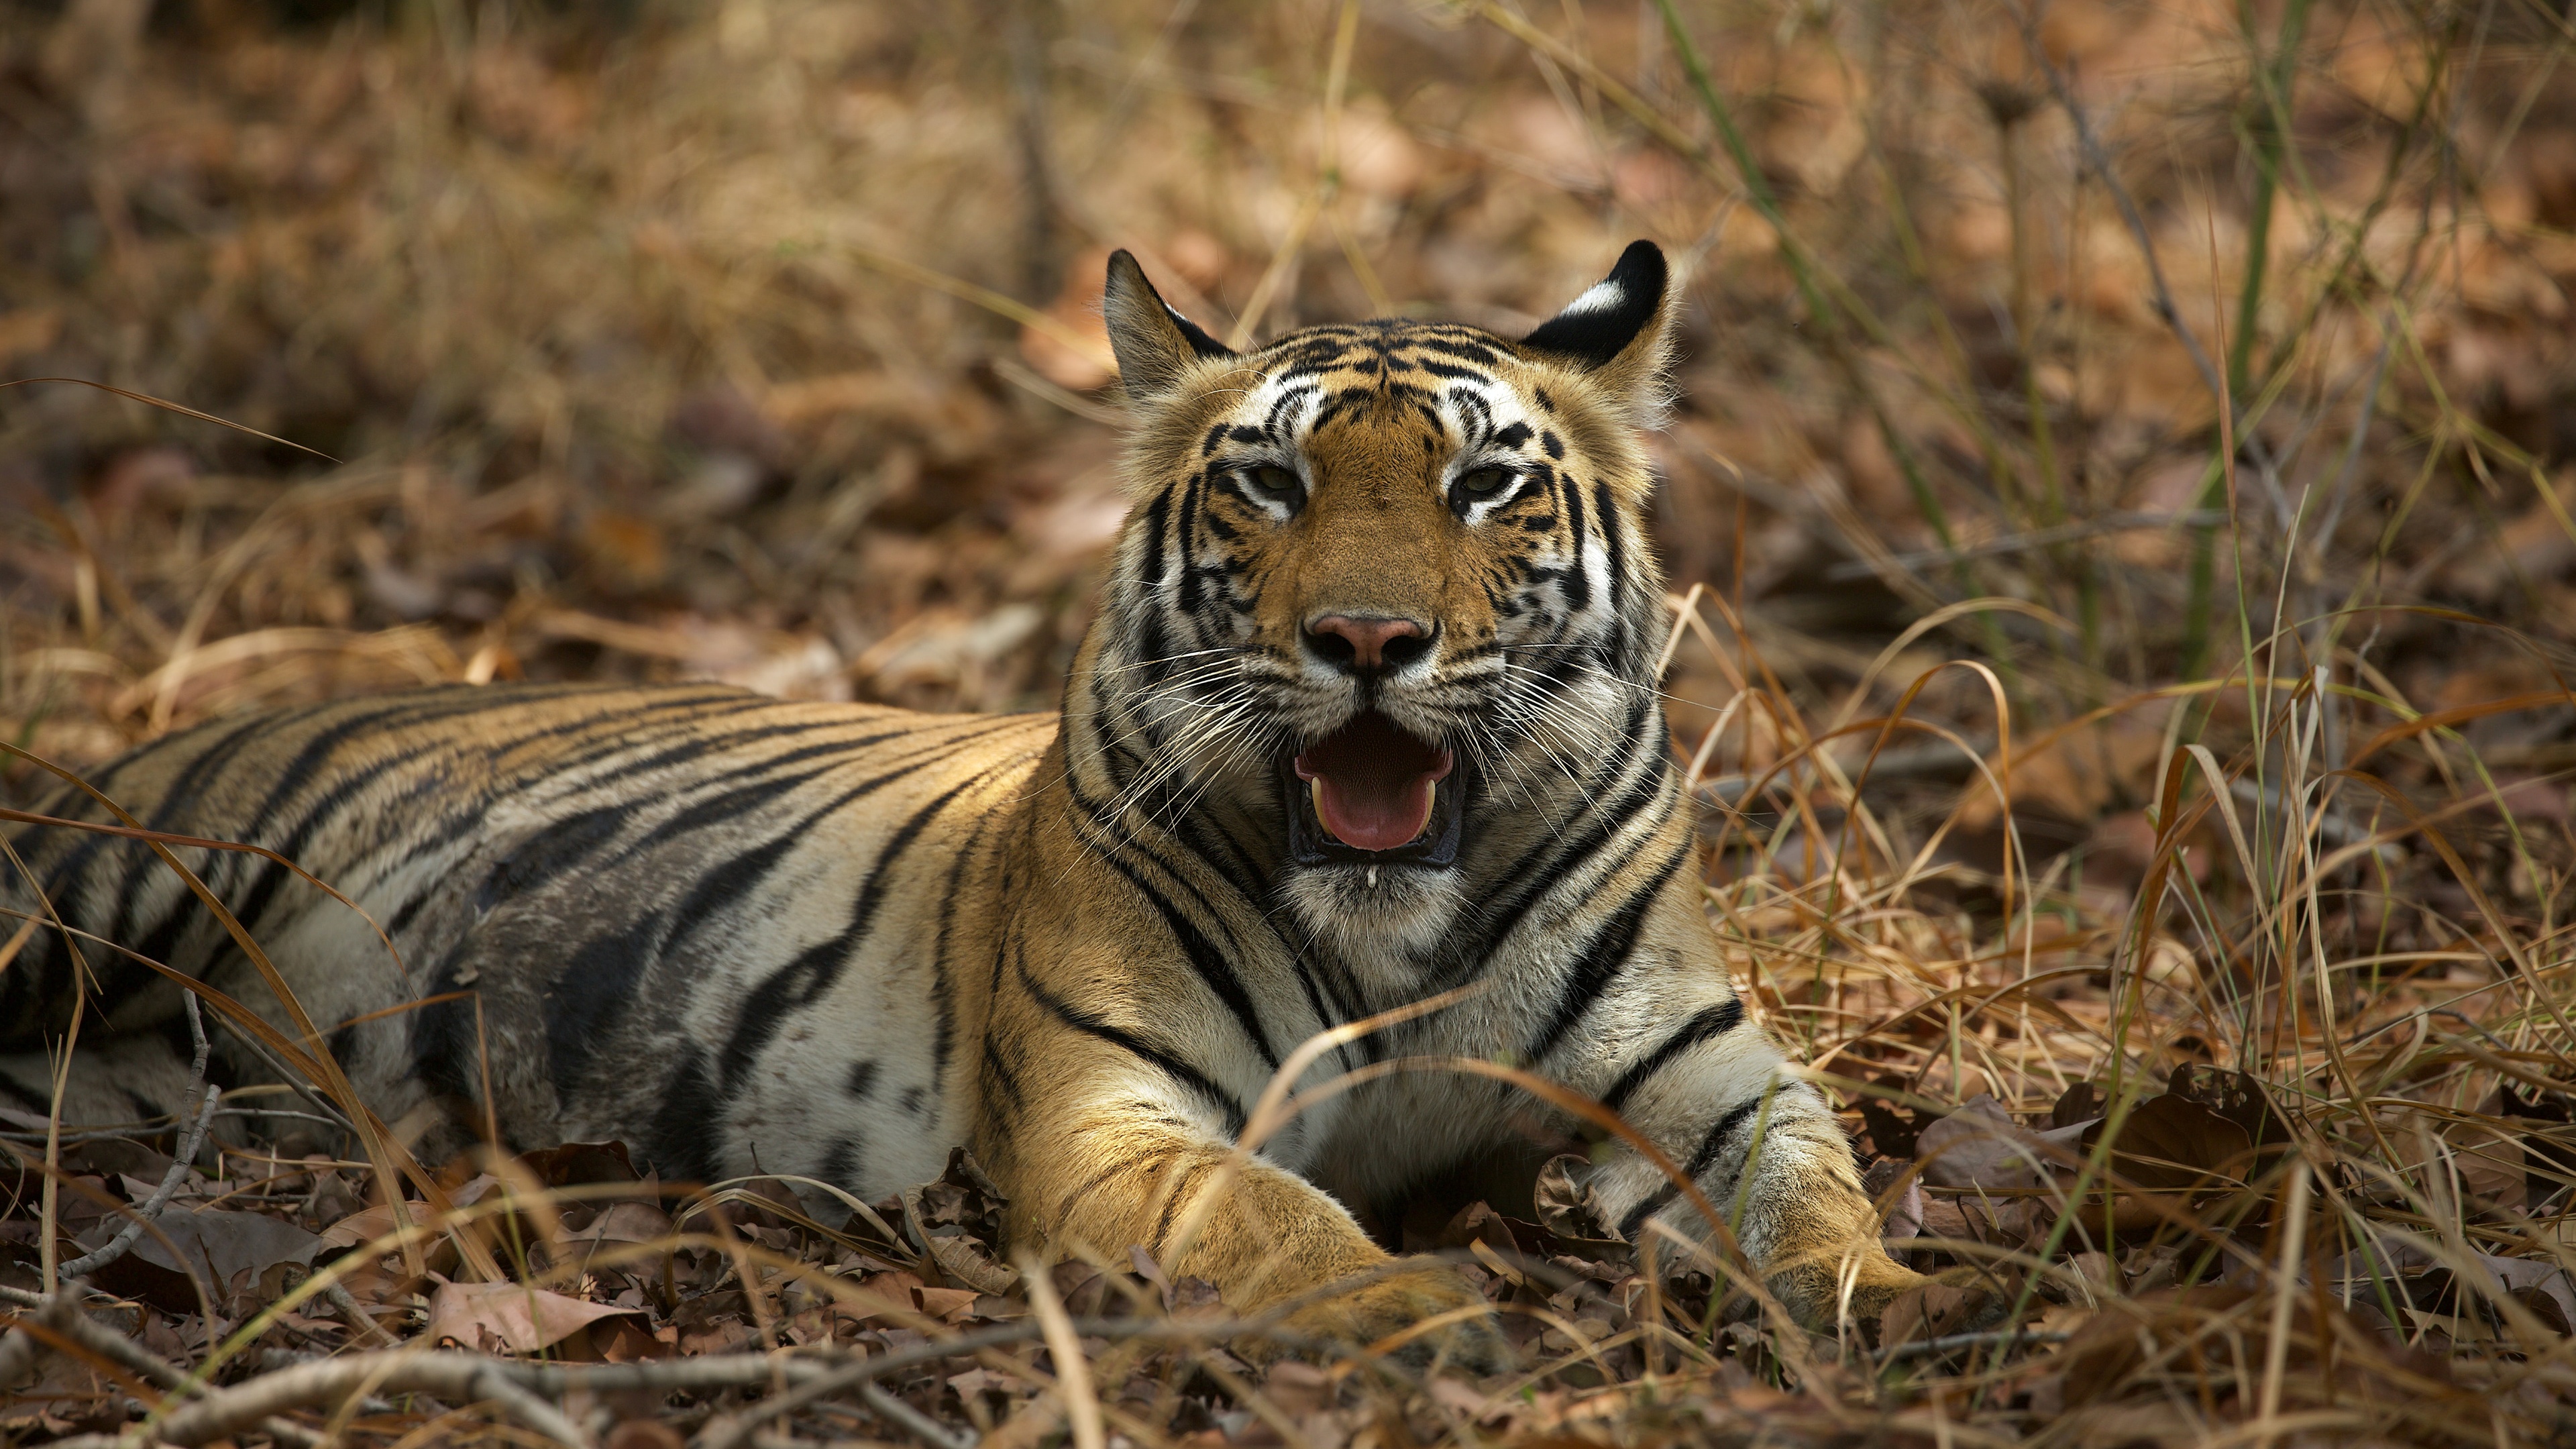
[[834, 941]]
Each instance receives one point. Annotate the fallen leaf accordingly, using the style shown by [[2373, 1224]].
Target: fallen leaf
[[622, 1222], [2173, 1144], [510, 1317], [1981, 1146], [1930, 1310], [219, 1243], [2239, 1098]]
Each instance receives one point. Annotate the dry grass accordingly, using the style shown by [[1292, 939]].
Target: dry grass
[[2165, 413]]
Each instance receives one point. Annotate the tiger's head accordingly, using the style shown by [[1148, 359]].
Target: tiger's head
[[1384, 605]]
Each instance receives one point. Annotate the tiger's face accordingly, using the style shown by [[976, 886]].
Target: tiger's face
[[1386, 591]]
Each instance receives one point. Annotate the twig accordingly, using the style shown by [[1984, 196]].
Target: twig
[[517, 1386], [359, 1320], [1072, 1370], [193, 1139], [923, 1427], [61, 1315], [2098, 158], [22, 1350], [762, 1368], [288, 1079], [2007, 1337], [464, 1377]]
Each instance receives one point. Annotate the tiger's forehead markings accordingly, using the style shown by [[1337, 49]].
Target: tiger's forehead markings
[[1447, 376]]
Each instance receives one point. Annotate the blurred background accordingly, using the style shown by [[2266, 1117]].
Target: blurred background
[[758, 340]]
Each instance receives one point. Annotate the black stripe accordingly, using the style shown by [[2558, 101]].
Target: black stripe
[[1602, 959], [409, 711], [999, 1074], [560, 846], [1611, 542], [466, 815], [1190, 1078], [1093, 1183], [841, 1165], [1157, 513], [142, 864], [1532, 882], [1706, 1024], [732, 804], [803, 981], [1211, 964], [1701, 1159], [593, 993], [943, 994], [1186, 599], [185, 910], [682, 1141]]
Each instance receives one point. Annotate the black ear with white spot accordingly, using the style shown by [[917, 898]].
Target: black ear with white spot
[[1617, 334], [1595, 328], [1155, 345]]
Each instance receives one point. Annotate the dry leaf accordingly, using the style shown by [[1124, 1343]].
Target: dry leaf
[[509, 1317], [219, 1243]]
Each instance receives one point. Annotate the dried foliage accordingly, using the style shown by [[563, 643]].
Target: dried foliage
[[2120, 487]]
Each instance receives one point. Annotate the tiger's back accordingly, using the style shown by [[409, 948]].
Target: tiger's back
[[656, 895]]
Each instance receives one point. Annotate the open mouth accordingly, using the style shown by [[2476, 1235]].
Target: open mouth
[[1370, 793]]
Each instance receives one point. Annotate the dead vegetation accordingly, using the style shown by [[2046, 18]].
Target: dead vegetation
[[2120, 509]]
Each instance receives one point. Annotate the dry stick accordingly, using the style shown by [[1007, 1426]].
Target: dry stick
[[22, 1350], [359, 1320], [1072, 1370], [184, 411], [2285, 1292], [189, 1142], [748, 1370], [469, 1377], [895, 1411], [60, 1315]]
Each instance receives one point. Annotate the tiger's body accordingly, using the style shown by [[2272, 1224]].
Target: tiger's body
[[1369, 715]]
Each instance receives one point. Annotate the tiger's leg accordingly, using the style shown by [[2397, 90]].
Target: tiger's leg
[[1099, 1152], [1676, 1057]]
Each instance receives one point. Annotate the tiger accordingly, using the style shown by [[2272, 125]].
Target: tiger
[[1368, 718]]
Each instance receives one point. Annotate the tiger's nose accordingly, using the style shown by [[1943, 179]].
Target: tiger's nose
[[1366, 643]]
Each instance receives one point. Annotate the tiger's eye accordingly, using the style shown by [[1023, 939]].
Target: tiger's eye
[[1271, 478], [1485, 480]]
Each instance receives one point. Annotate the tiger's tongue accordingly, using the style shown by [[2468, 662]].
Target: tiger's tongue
[[1372, 784]]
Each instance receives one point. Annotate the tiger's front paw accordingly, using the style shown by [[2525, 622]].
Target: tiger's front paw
[[1426, 1314], [1958, 1300]]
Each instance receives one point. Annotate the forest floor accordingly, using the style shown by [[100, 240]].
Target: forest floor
[[2119, 509]]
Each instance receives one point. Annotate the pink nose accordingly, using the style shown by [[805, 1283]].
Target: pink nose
[[1362, 643]]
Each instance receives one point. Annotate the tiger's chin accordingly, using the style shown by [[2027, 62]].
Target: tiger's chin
[[1375, 816], [1376, 915]]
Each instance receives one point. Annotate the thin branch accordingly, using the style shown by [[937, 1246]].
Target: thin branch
[[2098, 158], [189, 1142], [61, 1314]]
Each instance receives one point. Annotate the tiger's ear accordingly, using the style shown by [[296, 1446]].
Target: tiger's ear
[[1155, 345], [1618, 331]]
